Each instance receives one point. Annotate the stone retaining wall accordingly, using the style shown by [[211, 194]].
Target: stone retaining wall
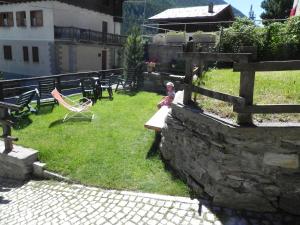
[[254, 168]]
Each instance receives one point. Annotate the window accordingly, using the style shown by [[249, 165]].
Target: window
[[35, 54], [21, 19], [25, 54], [7, 52], [36, 18], [6, 19], [106, 2]]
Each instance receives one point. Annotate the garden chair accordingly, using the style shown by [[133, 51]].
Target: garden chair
[[106, 84], [89, 89], [77, 109], [127, 81], [23, 102], [44, 93]]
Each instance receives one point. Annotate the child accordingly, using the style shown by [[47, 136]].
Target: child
[[167, 101]]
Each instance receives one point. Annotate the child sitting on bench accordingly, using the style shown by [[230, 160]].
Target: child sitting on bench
[[167, 101]]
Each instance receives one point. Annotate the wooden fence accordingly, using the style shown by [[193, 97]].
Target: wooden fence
[[64, 82], [242, 104]]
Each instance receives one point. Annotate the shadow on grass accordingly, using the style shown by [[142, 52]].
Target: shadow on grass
[[154, 149], [128, 92], [61, 121], [22, 122], [45, 109]]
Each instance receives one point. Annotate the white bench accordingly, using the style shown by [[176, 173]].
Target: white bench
[[157, 122]]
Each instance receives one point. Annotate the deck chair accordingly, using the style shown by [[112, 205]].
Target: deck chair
[[44, 93], [78, 109], [106, 85], [23, 102], [88, 89], [128, 81]]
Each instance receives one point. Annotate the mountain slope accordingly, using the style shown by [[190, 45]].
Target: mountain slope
[[134, 12]]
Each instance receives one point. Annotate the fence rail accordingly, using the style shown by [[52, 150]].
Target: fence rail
[[84, 35], [64, 82], [242, 104]]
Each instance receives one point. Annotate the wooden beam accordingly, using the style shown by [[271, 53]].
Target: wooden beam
[[157, 122], [220, 96], [6, 105], [268, 66], [222, 57], [188, 81], [268, 109], [247, 81]]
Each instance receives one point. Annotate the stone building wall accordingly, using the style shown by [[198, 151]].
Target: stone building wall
[[254, 168]]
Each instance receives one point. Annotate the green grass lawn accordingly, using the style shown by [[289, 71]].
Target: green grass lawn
[[110, 152], [270, 88]]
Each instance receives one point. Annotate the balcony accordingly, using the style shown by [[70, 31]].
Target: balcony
[[83, 35]]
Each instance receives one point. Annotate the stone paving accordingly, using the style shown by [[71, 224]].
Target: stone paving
[[50, 202]]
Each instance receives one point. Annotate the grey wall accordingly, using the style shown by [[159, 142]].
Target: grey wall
[[253, 168]]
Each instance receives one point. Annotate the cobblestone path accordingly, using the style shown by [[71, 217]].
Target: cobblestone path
[[49, 202]]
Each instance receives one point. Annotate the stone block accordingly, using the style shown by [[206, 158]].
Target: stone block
[[237, 166], [17, 164], [38, 169], [287, 161]]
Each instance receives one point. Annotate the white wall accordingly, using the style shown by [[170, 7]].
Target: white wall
[[17, 64], [117, 28], [46, 32], [71, 16]]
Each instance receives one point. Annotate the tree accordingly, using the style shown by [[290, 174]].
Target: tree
[[134, 54], [276, 9]]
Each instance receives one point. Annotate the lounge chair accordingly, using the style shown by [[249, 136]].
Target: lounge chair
[[78, 109], [44, 93], [23, 102], [88, 89]]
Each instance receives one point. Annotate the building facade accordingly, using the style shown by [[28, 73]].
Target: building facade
[[50, 37], [192, 19]]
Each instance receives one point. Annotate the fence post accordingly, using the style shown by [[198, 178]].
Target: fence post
[[188, 82], [247, 80], [1, 92], [58, 84]]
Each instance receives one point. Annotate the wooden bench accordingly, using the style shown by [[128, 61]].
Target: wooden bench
[[157, 122]]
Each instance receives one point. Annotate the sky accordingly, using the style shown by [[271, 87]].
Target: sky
[[244, 6]]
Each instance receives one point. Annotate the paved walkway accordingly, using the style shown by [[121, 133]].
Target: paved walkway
[[49, 202]]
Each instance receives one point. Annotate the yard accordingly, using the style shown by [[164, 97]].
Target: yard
[[270, 88], [109, 152], [112, 151]]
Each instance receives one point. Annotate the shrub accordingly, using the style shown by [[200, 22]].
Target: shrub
[[134, 54], [243, 32], [275, 41]]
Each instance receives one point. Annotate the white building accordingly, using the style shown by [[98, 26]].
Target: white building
[[51, 37]]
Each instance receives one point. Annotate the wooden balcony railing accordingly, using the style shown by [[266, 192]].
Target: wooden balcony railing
[[84, 35]]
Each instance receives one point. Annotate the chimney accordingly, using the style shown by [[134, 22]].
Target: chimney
[[211, 7]]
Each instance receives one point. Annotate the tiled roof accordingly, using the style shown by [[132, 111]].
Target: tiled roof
[[189, 12]]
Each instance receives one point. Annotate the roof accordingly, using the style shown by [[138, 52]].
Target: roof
[[189, 12]]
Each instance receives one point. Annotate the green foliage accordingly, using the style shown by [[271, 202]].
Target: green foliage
[[275, 41], [243, 32], [276, 9], [109, 152], [134, 54], [134, 50]]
